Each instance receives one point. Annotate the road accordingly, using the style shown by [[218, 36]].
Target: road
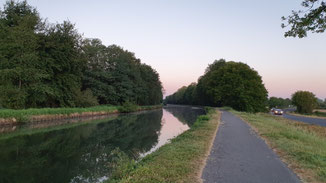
[[239, 155], [314, 121]]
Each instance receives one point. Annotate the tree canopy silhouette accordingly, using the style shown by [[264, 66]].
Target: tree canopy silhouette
[[232, 84], [312, 18]]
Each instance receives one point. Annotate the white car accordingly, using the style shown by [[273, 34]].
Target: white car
[[278, 112]]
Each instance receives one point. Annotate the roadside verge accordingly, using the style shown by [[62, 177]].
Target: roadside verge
[[301, 146]]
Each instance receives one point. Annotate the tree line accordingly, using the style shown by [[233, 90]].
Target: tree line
[[304, 101], [236, 85], [52, 65], [224, 83], [305, 96], [278, 102]]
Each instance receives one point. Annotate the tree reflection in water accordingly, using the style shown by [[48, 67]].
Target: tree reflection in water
[[185, 114], [86, 152], [80, 153]]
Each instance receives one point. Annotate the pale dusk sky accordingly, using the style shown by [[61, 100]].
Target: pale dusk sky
[[179, 38]]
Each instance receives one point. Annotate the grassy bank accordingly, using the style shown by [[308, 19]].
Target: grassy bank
[[31, 131], [301, 146], [179, 161], [26, 115]]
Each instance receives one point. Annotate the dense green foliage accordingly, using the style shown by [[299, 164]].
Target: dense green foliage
[[52, 65], [116, 76], [279, 102], [128, 107], [302, 21], [305, 101], [232, 84]]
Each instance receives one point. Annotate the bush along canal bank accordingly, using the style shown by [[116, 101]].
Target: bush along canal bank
[[11, 116], [302, 146], [181, 160]]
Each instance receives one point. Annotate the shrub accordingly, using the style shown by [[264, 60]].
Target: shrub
[[85, 98], [305, 101], [203, 118], [128, 107]]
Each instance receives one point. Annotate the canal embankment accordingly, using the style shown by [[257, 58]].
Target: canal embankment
[[181, 160], [90, 151], [11, 116]]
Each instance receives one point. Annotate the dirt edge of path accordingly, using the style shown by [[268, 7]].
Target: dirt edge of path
[[208, 152]]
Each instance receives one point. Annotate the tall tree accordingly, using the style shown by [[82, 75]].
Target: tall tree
[[116, 76], [60, 52], [207, 95], [313, 19], [305, 101], [190, 94], [238, 86], [232, 84], [279, 102], [151, 87], [51, 65], [97, 76], [20, 71]]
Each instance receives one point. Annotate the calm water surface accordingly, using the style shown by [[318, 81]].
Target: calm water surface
[[88, 152]]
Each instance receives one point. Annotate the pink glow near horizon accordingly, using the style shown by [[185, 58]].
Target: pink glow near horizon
[[277, 84]]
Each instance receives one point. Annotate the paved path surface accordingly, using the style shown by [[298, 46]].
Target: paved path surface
[[238, 155], [314, 121]]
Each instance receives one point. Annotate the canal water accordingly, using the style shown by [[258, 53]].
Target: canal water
[[89, 151]]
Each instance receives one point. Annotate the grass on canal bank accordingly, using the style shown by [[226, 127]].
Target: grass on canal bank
[[302, 146], [32, 131], [26, 115], [181, 160]]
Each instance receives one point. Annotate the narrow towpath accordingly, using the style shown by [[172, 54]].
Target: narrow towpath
[[238, 155]]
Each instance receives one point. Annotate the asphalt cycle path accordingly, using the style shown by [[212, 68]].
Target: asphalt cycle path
[[238, 155]]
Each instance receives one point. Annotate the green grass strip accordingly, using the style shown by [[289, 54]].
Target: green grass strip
[[29, 131], [178, 161], [23, 115], [11, 113], [302, 146]]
